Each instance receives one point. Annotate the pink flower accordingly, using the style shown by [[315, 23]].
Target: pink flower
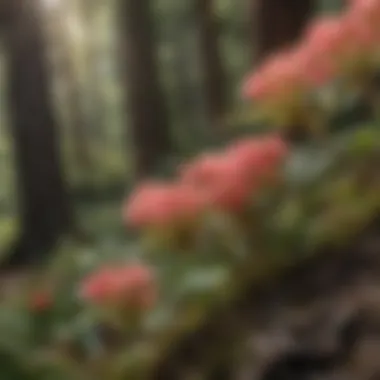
[[258, 85], [288, 73], [369, 9], [314, 69], [132, 287], [361, 35], [205, 169], [326, 37], [41, 301], [260, 157], [332, 42], [279, 77], [340, 38], [230, 178], [155, 203], [220, 178], [274, 151], [329, 44]]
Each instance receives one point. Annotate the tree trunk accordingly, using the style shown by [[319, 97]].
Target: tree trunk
[[278, 24], [213, 71], [186, 97], [44, 208], [147, 107]]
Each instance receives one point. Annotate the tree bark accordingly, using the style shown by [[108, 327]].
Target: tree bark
[[148, 111], [214, 80], [44, 208], [278, 24], [186, 96]]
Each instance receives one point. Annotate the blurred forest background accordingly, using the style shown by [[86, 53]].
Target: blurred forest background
[[99, 95], [128, 88]]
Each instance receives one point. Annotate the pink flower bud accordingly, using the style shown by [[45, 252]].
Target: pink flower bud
[[130, 287], [154, 204]]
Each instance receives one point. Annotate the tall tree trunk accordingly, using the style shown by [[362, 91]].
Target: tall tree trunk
[[213, 71], [186, 96], [278, 23], [44, 208], [147, 107]]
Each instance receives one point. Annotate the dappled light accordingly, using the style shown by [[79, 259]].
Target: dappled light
[[190, 190]]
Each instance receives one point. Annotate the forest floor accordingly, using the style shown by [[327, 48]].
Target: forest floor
[[288, 329], [321, 320]]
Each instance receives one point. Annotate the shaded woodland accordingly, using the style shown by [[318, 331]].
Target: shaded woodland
[[98, 98]]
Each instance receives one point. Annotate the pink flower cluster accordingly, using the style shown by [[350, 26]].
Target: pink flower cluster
[[223, 180], [329, 44], [132, 287], [160, 203]]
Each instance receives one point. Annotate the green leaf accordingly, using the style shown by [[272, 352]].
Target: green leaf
[[203, 281], [160, 319], [308, 165]]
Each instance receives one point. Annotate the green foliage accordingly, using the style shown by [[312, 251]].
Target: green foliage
[[323, 200], [331, 192]]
